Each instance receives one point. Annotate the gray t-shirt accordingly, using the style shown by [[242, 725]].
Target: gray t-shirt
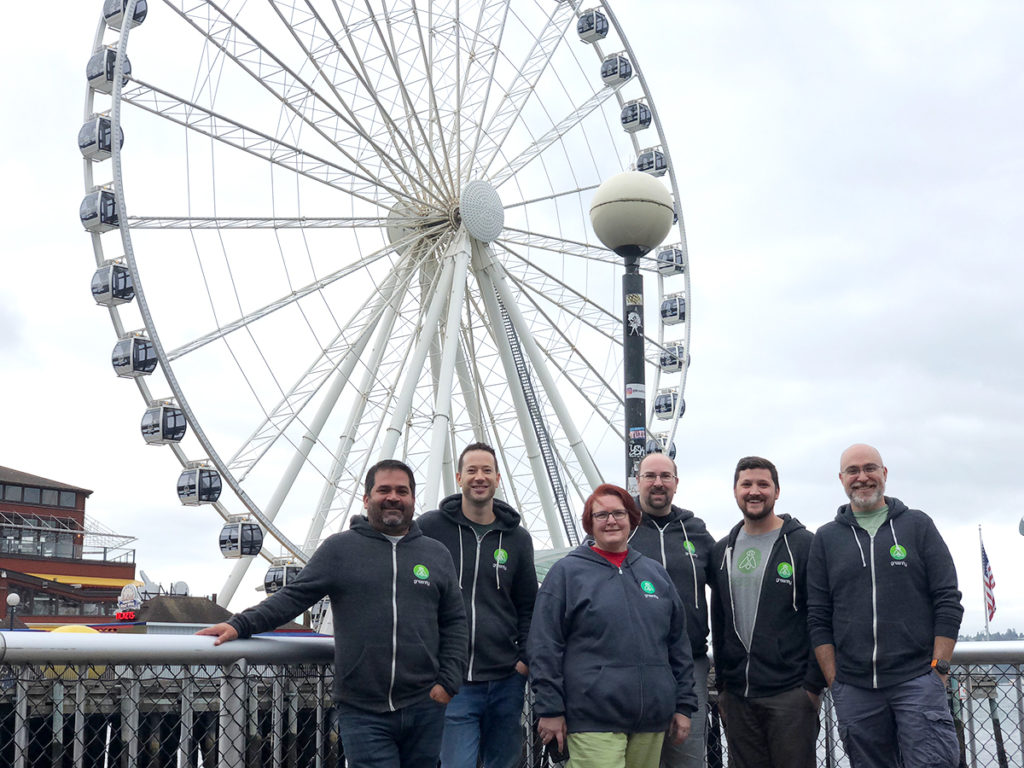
[[748, 561]]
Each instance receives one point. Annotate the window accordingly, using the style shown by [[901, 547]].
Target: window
[[49, 498], [67, 499], [32, 495], [12, 493]]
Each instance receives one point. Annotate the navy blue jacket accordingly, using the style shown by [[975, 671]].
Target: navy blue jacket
[[400, 626], [683, 546], [881, 601], [608, 646], [498, 580]]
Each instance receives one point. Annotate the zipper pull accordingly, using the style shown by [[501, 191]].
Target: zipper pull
[[620, 570]]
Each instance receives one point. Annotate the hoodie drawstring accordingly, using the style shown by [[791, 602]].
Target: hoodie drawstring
[[792, 561], [461, 559], [497, 570], [693, 565], [863, 562], [893, 529]]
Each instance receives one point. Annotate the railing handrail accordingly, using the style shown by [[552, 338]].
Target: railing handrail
[[111, 648]]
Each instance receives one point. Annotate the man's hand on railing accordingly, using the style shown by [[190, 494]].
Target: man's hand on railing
[[224, 632]]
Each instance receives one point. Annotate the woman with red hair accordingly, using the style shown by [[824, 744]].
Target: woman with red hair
[[610, 660]]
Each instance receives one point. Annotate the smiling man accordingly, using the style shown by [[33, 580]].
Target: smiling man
[[493, 555], [884, 613], [767, 677], [400, 645], [680, 541]]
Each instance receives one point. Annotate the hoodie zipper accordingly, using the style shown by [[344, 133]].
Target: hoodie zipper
[[874, 616], [394, 621], [472, 605]]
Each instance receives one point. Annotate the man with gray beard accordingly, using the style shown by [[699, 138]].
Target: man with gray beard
[[883, 613]]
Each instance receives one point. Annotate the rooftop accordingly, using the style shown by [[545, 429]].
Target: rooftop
[[13, 476]]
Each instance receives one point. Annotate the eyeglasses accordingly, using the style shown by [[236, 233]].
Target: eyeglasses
[[651, 477], [867, 469], [615, 514]]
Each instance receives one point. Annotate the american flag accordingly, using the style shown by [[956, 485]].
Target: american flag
[[990, 584]]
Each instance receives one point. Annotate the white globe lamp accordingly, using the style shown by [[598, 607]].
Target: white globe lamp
[[632, 213]]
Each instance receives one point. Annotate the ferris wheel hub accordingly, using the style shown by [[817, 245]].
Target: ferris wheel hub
[[481, 210]]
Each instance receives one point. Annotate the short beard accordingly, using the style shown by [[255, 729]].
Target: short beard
[[765, 512], [870, 504]]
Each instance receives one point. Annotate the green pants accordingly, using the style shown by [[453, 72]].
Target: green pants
[[615, 750]]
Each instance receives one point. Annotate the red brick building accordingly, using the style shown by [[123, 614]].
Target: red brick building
[[64, 566]]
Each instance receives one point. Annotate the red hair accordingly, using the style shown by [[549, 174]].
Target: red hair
[[607, 489]]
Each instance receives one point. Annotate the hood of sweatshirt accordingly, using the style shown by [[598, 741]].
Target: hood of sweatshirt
[[361, 525], [505, 517], [896, 508], [789, 524]]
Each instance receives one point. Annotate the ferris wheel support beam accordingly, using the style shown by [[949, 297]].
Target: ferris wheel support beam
[[541, 481], [460, 252], [537, 358], [393, 433], [348, 435], [306, 444]]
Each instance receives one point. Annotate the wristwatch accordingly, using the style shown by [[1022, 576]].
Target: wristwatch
[[941, 666]]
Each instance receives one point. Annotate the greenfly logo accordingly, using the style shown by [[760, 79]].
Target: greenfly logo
[[647, 587], [785, 570], [421, 572], [898, 552], [501, 556], [688, 546], [749, 561]]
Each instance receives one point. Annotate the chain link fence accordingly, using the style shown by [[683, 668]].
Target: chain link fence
[[162, 701]]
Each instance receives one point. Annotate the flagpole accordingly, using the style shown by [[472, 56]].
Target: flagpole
[[984, 598]]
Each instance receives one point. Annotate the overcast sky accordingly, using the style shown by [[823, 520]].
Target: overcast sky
[[851, 179]]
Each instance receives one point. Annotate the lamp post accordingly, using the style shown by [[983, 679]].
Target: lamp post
[[631, 214], [13, 601]]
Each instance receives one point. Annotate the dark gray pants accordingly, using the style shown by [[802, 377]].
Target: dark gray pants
[[772, 731], [906, 725]]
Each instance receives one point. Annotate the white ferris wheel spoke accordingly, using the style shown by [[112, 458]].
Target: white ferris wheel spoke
[[530, 71], [267, 309], [256, 222], [559, 245], [553, 135], [260, 144], [326, 45], [293, 92]]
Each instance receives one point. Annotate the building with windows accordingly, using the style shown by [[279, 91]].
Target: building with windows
[[64, 566]]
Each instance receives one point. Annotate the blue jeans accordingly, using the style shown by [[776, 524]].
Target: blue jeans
[[485, 719], [407, 738]]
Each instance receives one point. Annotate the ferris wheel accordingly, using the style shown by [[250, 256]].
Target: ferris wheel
[[333, 232]]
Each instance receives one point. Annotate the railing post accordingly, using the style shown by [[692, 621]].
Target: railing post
[[57, 723], [186, 748], [78, 749], [277, 721], [130, 717], [830, 716], [231, 742], [21, 718]]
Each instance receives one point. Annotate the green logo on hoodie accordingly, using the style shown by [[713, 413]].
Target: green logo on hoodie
[[647, 587], [688, 546], [421, 571], [785, 570], [897, 552], [501, 556]]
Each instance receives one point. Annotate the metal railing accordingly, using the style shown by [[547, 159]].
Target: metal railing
[[174, 700]]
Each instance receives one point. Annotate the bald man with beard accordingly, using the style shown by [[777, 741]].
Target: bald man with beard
[[884, 612]]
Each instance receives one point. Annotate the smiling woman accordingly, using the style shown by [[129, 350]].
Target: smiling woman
[[608, 614]]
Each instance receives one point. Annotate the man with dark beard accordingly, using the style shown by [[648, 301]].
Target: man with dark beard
[[884, 614], [768, 680], [400, 648]]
